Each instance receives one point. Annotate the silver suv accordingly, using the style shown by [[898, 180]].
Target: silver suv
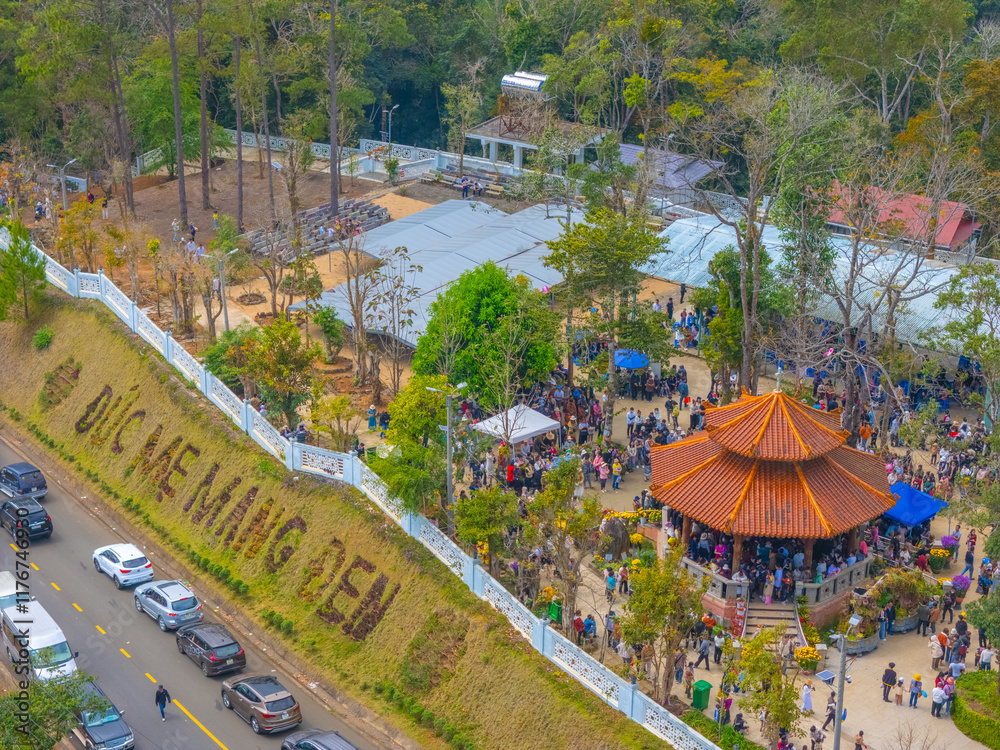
[[170, 603]]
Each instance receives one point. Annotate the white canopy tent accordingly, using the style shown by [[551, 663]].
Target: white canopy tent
[[520, 423]]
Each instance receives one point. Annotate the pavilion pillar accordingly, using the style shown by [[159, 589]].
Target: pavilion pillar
[[493, 151], [686, 531], [482, 142], [852, 540], [737, 552], [581, 155], [808, 555], [518, 156]]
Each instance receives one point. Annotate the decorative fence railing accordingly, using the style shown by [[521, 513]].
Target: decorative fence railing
[[611, 688]]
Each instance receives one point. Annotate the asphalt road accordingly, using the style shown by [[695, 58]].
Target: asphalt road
[[125, 649]]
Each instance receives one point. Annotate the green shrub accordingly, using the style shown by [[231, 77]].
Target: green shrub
[[286, 627], [377, 688], [42, 338], [427, 717], [225, 574], [267, 616], [449, 731], [408, 704], [439, 726], [365, 685], [709, 728], [982, 688], [390, 693], [244, 589]]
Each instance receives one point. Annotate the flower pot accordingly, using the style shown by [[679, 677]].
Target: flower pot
[[905, 624], [809, 665], [863, 645]]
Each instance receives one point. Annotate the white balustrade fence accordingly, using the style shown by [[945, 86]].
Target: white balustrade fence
[[347, 467]]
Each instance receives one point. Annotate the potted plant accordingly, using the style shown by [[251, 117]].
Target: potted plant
[[949, 543], [938, 559], [807, 657], [961, 585]]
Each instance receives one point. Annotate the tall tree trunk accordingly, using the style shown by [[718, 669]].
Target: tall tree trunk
[[178, 135], [237, 47], [334, 148], [203, 93], [267, 134], [118, 111]]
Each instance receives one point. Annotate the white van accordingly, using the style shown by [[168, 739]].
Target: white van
[[35, 644], [8, 590]]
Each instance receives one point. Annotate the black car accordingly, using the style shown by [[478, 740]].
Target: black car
[[212, 648], [101, 724], [23, 480], [316, 739], [27, 516]]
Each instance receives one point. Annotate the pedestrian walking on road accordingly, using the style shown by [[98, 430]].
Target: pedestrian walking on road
[[859, 741], [831, 710], [162, 699], [888, 681]]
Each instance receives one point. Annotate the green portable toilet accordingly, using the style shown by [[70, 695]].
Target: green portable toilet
[[702, 693], [555, 611]]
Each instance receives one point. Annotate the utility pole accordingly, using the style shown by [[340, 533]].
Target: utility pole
[[841, 679], [450, 493], [62, 178]]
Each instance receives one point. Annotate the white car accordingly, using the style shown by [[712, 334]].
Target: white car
[[124, 563]]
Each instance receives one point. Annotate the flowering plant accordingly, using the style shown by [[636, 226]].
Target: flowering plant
[[949, 542], [806, 654], [961, 584], [940, 553]]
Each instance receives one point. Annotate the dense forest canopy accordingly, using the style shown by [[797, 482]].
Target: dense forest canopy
[[76, 73]]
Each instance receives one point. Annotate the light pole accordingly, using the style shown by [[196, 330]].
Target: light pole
[[390, 121], [222, 286], [447, 448], [62, 177], [841, 679]]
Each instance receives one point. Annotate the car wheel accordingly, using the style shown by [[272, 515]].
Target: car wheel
[[204, 669], [118, 584], [138, 604], [254, 725], [97, 566], [180, 646], [9, 657], [225, 700], [162, 623]]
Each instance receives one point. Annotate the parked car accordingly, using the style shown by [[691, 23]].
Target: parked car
[[101, 724], [23, 480], [316, 739], [25, 516], [212, 648], [262, 701], [170, 603], [124, 563]]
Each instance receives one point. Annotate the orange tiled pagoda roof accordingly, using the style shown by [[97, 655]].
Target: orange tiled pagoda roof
[[771, 466]]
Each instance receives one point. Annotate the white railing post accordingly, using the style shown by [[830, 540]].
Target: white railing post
[[538, 634], [206, 381], [289, 454], [247, 422], [168, 348], [100, 283], [133, 318], [76, 280], [627, 699]]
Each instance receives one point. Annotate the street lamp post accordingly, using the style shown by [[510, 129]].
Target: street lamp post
[[390, 121], [841, 679], [62, 178], [447, 448]]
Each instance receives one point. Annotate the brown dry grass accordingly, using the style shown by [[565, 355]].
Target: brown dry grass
[[496, 687]]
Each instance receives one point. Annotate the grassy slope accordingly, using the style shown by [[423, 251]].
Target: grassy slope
[[482, 677]]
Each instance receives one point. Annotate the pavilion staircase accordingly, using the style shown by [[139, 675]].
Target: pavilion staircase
[[778, 615]]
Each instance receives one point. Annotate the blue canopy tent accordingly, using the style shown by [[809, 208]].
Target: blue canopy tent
[[630, 359], [913, 506]]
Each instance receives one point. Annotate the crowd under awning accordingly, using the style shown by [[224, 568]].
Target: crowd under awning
[[913, 506]]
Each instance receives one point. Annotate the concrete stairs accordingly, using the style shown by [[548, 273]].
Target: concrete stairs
[[777, 614]]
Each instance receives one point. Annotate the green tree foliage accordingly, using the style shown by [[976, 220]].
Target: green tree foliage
[[765, 688], [470, 309], [416, 412], [281, 364], [664, 605], [54, 706], [416, 473], [226, 358], [334, 331], [484, 516], [22, 270]]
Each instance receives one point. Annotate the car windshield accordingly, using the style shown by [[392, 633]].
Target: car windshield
[[137, 562], [282, 704], [51, 656], [32, 479], [183, 605], [96, 718], [224, 652], [7, 600]]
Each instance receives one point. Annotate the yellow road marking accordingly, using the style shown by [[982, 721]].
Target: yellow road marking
[[127, 654], [56, 587], [34, 566], [151, 679], [101, 629], [13, 545], [200, 725], [77, 607]]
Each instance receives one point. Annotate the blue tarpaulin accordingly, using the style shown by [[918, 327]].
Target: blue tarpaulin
[[631, 360], [913, 506]]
